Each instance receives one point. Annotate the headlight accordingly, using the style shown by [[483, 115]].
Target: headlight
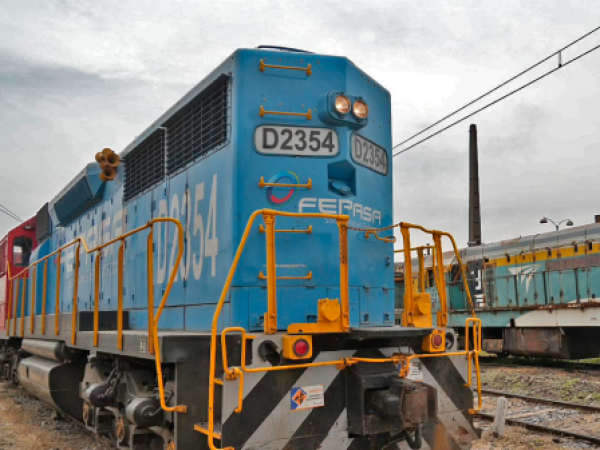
[[360, 109], [342, 104]]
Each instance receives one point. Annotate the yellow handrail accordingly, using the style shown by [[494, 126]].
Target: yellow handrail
[[32, 327], [386, 239], [153, 327], [262, 66], [271, 317], [261, 229], [262, 113], [44, 297], [262, 184], [10, 286], [308, 276]]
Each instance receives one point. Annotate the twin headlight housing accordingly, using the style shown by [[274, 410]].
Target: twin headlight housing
[[343, 105], [343, 108]]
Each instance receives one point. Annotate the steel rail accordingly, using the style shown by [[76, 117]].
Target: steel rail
[[550, 364], [543, 429], [547, 401]]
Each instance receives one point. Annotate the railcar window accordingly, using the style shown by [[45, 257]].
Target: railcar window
[[22, 247]]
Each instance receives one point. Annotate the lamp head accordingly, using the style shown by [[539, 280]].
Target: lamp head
[[570, 223], [544, 220]]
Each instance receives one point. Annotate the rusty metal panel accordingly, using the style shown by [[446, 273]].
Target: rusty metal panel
[[535, 342], [493, 345], [573, 263]]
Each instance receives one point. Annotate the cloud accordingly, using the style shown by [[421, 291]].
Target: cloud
[[78, 76]]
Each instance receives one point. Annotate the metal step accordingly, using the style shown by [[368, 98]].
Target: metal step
[[202, 427]]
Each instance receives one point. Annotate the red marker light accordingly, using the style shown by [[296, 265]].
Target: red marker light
[[301, 347], [437, 340]]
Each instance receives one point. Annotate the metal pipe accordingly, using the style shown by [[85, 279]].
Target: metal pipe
[[150, 277], [120, 297], [32, 311], [271, 315], [75, 311], [97, 297], [44, 297], [57, 297]]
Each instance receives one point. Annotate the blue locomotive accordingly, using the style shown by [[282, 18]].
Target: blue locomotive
[[221, 282]]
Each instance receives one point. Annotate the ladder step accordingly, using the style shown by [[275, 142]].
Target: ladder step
[[202, 427]]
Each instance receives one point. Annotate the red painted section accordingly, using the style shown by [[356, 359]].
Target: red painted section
[[15, 248]]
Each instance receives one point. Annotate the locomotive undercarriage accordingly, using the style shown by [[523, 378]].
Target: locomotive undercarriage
[[117, 397], [114, 396]]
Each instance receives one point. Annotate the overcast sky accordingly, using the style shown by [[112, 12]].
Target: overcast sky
[[77, 76]]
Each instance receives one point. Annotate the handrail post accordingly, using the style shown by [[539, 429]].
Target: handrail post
[[442, 319], [421, 257], [44, 297], [57, 297], [344, 298], [97, 296], [120, 297], [150, 276], [271, 315], [75, 310], [10, 305], [408, 286], [16, 306], [32, 311], [23, 303]]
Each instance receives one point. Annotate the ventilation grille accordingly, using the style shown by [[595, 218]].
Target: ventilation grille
[[145, 166], [199, 127]]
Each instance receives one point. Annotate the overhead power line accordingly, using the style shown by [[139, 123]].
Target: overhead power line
[[561, 64], [9, 213]]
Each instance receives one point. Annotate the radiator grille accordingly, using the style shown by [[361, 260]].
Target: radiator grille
[[145, 166], [199, 127]]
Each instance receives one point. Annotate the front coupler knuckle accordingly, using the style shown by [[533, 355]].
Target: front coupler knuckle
[[381, 402]]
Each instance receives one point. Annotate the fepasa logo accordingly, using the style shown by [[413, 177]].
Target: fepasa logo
[[340, 206], [279, 196]]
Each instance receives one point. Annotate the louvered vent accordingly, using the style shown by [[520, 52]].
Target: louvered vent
[[145, 166], [198, 127]]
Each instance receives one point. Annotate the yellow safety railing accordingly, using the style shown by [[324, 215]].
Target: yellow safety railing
[[408, 318], [232, 373], [153, 319]]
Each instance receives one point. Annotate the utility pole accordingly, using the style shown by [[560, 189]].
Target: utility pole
[[474, 207]]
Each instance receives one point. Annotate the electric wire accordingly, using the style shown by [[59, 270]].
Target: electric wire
[[9, 213], [535, 80], [499, 86], [8, 210]]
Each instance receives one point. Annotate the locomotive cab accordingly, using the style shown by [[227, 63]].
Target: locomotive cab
[[15, 253]]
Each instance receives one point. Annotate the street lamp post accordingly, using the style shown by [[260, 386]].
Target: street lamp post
[[557, 224]]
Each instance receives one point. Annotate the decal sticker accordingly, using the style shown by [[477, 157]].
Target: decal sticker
[[307, 397], [279, 196], [415, 372]]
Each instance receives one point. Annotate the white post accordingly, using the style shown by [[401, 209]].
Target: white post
[[500, 417]]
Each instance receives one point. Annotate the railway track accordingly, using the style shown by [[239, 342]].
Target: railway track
[[548, 416], [540, 362]]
